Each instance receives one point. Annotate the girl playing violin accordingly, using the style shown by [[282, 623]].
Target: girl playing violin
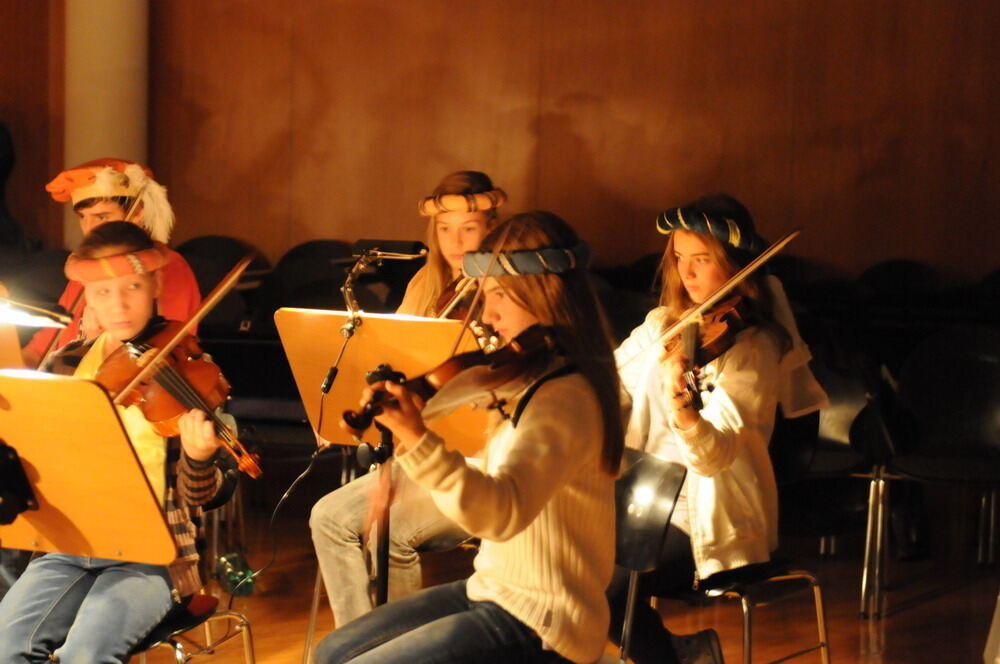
[[543, 502], [76, 609], [726, 516], [462, 210]]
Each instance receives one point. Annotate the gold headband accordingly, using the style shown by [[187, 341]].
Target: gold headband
[[487, 200]]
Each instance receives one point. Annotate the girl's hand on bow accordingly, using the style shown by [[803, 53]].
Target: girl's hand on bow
[[403, 417], [197, 435]]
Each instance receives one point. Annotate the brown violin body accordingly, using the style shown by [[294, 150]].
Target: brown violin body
[[703, 341], [186, 379], [505, 364]]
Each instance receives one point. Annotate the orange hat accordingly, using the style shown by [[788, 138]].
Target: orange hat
[[80, 183], [110, 177], [108, 267]]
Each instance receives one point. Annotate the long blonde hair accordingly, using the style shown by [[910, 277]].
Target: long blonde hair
[[567, 304], [756, 295], [439, 273]]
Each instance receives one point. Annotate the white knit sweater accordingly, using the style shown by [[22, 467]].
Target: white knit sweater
[[544, 508]]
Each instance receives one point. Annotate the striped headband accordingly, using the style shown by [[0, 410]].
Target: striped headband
[[108, 267], [725, 229], [547, 260], [487, 200]]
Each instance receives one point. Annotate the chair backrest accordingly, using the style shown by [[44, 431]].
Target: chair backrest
[[951, 385], [645, 496]]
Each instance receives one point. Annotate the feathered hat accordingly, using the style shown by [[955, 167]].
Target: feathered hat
[[109, 178]]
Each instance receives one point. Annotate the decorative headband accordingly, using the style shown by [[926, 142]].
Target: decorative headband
[[547, 260], [726, 230], [487, 200], [108, 267]]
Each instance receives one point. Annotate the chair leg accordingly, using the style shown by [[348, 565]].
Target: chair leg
[[824, 648], [313, 612], [178, 651], [633, 588], [875, 549], [249, 657], [747, 604], [986, 544], [991, 547]]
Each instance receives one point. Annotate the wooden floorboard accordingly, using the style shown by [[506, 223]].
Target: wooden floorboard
[[938, 612]]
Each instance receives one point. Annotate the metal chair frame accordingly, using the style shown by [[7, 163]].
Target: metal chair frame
[[744, 592], [181, 654]]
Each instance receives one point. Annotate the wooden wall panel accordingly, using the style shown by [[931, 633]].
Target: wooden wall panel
[[388, 97], [220, 117], [30, 80], [869, 123]]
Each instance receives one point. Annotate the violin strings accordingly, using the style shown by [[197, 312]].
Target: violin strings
[[181, 390]]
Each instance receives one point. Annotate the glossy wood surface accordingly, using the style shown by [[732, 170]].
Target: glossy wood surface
[[938, 612]]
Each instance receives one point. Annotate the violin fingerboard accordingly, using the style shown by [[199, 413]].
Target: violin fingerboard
[[689, 341]]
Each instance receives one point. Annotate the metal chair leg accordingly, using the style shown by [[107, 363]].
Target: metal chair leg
[[824, 649], [313, 612], [873, 569], [747, 605], [633, 588]]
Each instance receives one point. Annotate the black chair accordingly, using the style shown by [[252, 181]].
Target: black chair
[[763, 584], [645, 496], [939, 427]]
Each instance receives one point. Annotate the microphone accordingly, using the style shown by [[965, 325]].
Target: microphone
[[409, 248]]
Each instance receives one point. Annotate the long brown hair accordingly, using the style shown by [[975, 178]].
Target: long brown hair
[[567, 304], [758, 303], [439, 271]]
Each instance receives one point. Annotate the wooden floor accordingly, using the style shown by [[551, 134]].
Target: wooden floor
[[937, 613]]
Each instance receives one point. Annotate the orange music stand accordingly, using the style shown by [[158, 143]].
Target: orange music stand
[[410, 344], [93, 496]]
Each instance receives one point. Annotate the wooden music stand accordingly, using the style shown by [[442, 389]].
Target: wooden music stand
[[93, 496], [412, 345]]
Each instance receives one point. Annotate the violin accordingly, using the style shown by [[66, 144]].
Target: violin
[[504, 364], [703, 341], [183, 380]]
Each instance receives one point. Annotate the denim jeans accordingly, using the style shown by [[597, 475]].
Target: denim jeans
[[81, 610], [344, 552], [437, 625], [12, 564]]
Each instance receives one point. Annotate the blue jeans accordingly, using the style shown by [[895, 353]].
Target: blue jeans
[[342, 547], [81, 610], [435, 626]]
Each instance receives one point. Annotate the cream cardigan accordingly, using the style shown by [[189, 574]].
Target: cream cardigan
[[544, 508]]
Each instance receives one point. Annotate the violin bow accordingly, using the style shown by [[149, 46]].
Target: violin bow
[[739, 277], [221, 289]]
